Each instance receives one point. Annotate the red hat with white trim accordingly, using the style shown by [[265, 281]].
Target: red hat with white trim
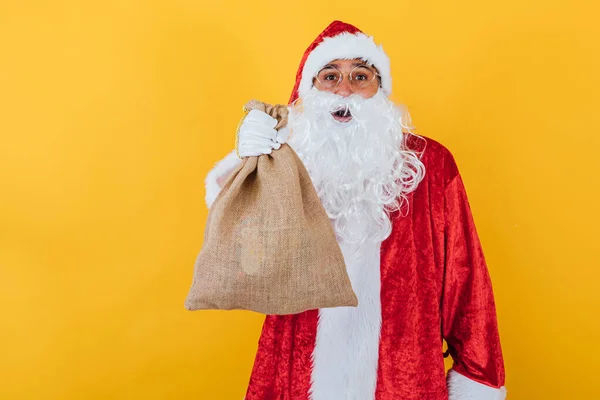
[[340, 41]]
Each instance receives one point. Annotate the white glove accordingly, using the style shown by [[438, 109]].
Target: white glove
[[257, 135]]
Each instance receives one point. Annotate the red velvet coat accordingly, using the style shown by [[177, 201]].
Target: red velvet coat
[[434, 285]]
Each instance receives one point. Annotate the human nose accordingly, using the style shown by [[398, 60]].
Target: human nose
[[344, 88]]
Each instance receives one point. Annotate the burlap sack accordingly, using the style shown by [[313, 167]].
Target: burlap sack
[[268, 244]]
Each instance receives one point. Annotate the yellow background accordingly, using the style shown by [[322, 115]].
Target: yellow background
[[112, 112]]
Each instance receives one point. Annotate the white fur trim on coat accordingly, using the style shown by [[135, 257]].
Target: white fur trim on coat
[[346, 352], [346, 46], [462, 388], [230, 162]]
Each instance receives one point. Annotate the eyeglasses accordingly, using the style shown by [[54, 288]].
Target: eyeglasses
[[360, 77]]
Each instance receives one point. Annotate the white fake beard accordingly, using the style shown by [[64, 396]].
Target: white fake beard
[[360, 169]]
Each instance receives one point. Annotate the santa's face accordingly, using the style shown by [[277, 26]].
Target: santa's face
[[358, 165], [346, 78]]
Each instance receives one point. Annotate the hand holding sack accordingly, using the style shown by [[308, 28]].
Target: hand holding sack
[[268, 244], [260, 133]]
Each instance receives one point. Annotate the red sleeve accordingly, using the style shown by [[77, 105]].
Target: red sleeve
[[469, 322]]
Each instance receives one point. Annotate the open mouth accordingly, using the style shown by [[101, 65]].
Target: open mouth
[[342, 114]]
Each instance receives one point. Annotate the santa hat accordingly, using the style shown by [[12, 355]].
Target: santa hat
[[340, 41]]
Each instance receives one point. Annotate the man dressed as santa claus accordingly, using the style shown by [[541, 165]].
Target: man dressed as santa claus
[[402, 220]]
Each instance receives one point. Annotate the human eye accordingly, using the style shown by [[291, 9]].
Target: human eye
[[362, 75], [328, 75]]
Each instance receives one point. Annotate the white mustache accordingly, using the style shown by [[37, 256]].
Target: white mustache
[[343, 111], [331, 102]]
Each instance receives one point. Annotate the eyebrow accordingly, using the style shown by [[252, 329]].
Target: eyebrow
[[354, 64]]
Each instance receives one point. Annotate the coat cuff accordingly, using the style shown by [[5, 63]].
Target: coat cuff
[[223, 167], [462, 388]]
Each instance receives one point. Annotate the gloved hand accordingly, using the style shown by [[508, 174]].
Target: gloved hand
[[257, 135]]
